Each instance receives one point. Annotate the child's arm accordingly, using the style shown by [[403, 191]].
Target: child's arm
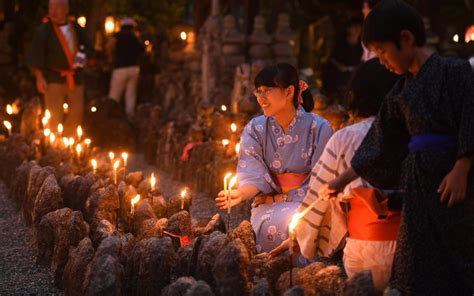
[[454, 185], [338, 184]]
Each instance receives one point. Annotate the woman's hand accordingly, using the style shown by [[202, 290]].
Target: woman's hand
[[285, 245], [260, 200], [222, 200], [454, 185]]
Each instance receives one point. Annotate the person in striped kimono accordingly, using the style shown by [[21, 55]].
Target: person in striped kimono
[[278, 151], [370, 243]]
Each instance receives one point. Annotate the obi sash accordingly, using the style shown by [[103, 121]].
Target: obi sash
[[290, 181], [369, 217], [432, 141], [67, 73]]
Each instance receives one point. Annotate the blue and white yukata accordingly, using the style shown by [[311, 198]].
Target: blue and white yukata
[[268, 151]]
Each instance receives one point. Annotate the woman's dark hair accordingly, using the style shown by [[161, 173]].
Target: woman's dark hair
[[283, 75], [388, 18], [367, 87]]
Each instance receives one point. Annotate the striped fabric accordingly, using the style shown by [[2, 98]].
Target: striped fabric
[[321, 231]]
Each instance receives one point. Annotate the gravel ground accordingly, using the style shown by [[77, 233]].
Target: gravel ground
[[18, 272]]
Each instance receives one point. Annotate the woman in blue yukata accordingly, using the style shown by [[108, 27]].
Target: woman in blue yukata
[[278, 151]]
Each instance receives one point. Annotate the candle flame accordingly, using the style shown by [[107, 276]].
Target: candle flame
[[237, 148], [79, 131], [65, 107], [66, 142], [152, 181], [93, 109], [225, 142], [44, 121], [46, 132], [227, 176], [232, 182], [183, 193], [94, 164], [71, 141], [9, 109], [47, 114], [135, 200], [116, 164], [233, 127], [183, 36], [60, 128], [125, 156], [52, 138], [111, 155], [7, 124], [224, 108], [78, 149], [294, 221], [87, 141]]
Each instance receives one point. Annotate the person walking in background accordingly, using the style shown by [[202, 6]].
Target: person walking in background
[[57, 58], [125, 50]]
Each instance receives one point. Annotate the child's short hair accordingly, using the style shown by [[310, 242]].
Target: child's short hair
[[367, 88], [388, 18]]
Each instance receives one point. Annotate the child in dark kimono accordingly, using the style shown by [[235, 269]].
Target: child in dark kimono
[[423, 142]]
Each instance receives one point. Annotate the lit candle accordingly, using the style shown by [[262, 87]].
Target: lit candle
[[94, 165], [291, 230], [8, 125], [111, 156], [9, 109], [79, 133], [87, 142], [183, 36], [226, 179], [224, 108], [116, 165], [225, 142], [233, 127], [237, 149], [66, 142], [152, 181], [46, 132], [52, 138], [183, 197], [125, 158], [47, 114], [60, 129], [133, 202], [93, 109], [71, 143], [78, 151], [65, 108], [229, 195], [44, 121]]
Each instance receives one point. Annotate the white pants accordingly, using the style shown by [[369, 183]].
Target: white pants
[[125, 79], [375, 256]]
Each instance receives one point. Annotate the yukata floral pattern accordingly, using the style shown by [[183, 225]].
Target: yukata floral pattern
[[268, 150]]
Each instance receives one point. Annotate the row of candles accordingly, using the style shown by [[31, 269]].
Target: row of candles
[[82, 148]]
